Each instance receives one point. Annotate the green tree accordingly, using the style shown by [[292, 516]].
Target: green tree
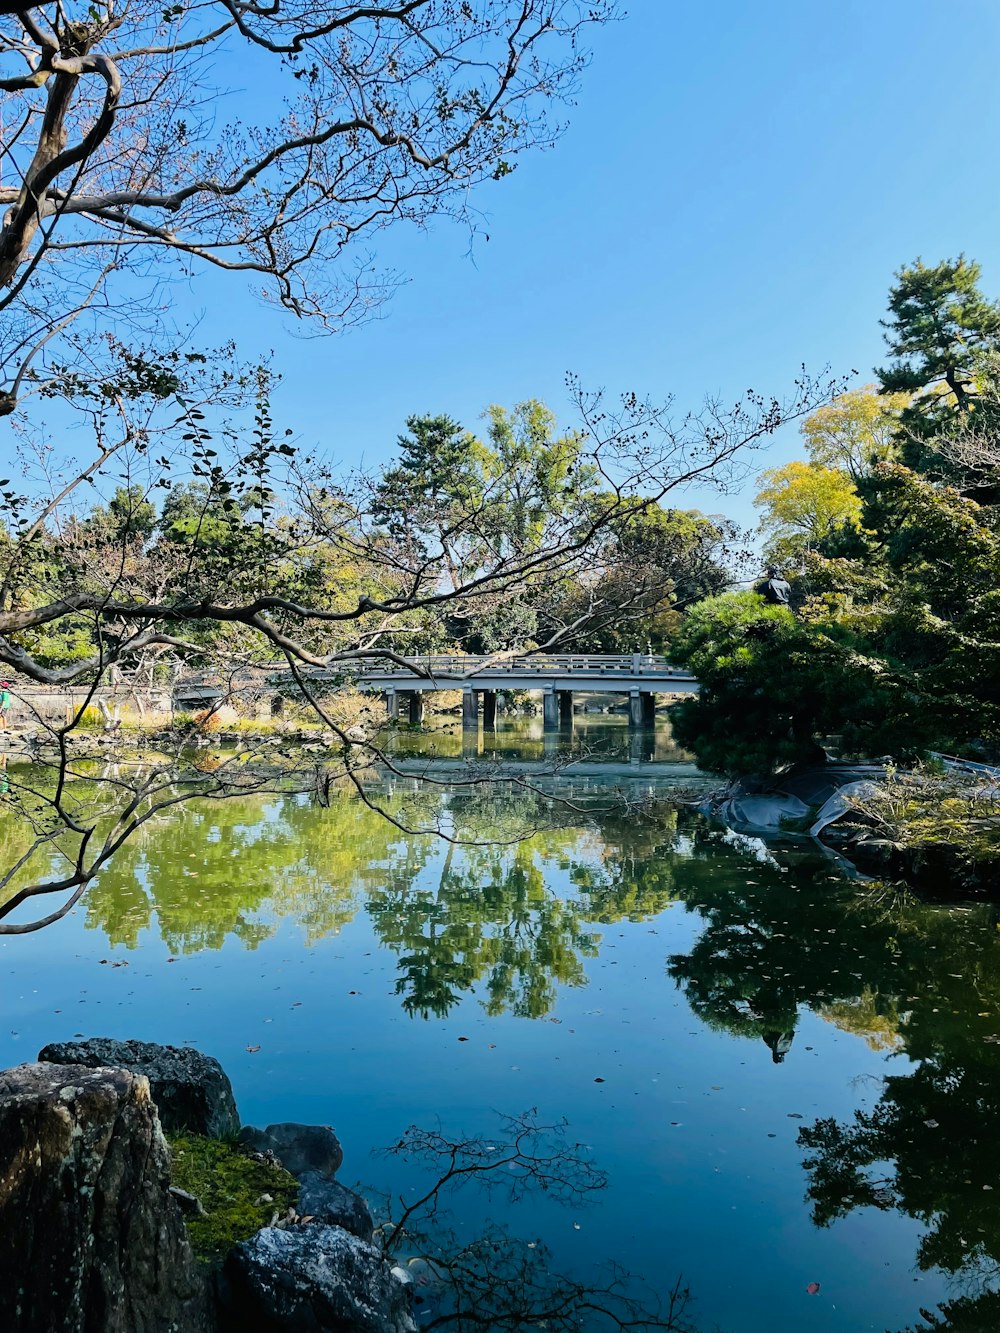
[[802, 504], [856, 431], [939, 332]]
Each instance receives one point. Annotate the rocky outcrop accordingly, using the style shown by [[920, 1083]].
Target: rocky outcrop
[[191, 1090], [327, 1201], [92, 1241], [299, 1148], [313, 1279]]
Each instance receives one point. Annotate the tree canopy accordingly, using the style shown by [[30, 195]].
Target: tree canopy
[[895, 644]]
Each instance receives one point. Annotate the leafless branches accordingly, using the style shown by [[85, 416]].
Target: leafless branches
[[496, 1280], [273, 141]]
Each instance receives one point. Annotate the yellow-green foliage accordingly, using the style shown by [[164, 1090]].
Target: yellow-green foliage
[[229, 1183], [924, 811]]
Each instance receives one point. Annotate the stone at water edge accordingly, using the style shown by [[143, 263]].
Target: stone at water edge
[[299, 1148], [192, 1092], [91, 1238], [327, 1201], [313, 1279]]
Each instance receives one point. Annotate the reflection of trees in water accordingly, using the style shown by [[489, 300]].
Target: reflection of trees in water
[[213, 870], [480, 911], [918, 980], [771, 945], [929, 1148], [490, 915]]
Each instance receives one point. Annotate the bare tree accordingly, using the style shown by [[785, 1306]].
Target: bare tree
[[142, 140]]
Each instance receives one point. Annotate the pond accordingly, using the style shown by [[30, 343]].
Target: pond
[[790, 1077]]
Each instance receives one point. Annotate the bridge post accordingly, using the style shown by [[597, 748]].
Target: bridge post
[[392, 705], [550, 709], [641, 709], [470, 709], [416, 707], [489, 709], [565, 707]]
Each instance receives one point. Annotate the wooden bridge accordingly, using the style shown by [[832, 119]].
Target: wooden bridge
[[557, 676]]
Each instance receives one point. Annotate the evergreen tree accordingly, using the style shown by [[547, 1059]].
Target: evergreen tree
[[940, 332]]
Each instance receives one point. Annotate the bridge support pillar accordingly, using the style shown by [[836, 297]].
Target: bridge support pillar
[[392, 705], [416, 708], [490, 709], [565, 707], [641, 709], [550, 710], [470, 710]]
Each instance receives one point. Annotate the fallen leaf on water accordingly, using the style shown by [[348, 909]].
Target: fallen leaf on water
[[931, 1124], [813, 1288], [253, 1049], [598, 1080]]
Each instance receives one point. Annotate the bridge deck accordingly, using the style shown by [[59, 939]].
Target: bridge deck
[[609, 673]]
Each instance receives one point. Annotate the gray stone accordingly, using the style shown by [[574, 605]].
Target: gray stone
[[93, 1242], [299, 1148], [330, 1202], [313, 1279], [192, 1092]]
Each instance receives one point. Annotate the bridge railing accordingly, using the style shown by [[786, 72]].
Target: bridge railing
[[630, 664], [460, 666]]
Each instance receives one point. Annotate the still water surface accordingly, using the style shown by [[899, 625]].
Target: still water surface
[[790, 1078]]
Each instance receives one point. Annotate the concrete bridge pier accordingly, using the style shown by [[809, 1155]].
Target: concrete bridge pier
[[489, 710], [392, 705], [416, 707], [565, 708], [641, 709], [550, 710], [470, 710]]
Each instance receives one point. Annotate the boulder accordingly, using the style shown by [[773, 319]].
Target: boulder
[[299, 1148], [92, 1239], [313, 1279], [192, 1092], [329, 1202]]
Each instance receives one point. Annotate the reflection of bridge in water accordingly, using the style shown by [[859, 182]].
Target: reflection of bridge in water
[[640, 677]]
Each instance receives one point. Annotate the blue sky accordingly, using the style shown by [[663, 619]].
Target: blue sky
[[738, 183]]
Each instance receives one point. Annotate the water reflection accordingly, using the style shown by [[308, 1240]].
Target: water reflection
[[770, 937]]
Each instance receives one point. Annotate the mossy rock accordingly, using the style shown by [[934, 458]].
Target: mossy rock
[[228, 1183]]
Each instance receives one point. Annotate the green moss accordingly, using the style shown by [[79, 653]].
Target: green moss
[[228, 1182]]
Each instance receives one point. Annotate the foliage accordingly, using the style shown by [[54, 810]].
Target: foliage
[[239, 1193], [856, 431], [803, 503], [939, 327], [648, 570], [769, 685], [945, 827], [895, 648]]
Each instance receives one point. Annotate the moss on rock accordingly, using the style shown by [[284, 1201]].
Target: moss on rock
[[239, 1193]]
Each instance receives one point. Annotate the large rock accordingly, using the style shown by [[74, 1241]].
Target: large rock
[[192, 1092], [312, 1279], [330, 1202], [299, 1148], [92, 1241]]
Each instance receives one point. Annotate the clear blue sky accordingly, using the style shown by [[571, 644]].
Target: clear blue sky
[[738, 183]]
